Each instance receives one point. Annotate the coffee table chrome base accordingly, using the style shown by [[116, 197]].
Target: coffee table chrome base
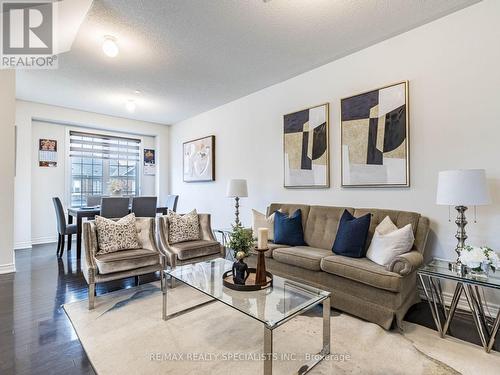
[[268, 331], [268, 343], [434, 294]]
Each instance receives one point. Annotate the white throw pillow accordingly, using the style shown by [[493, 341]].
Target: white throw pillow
[[259, 220], [183, 227], [385, 247], [386, 226]]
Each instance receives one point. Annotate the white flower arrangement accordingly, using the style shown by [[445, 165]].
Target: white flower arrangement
[[474, 257], [116, 186]]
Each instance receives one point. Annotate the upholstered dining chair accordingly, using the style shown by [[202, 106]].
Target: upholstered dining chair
[[144, 206], [172, 202], [93, 200], [63, 229], [114, 207], [100, 268]]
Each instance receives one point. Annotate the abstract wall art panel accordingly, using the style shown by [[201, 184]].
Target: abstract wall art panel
[[199, 160], [306, 159], [375, 143]]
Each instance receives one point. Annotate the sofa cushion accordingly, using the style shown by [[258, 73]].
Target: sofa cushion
[[321, 226], [301, 256], [288, 230], [126, 260], [351, 235], [400, 218], [194, 249], [362, 270], [273, 246]]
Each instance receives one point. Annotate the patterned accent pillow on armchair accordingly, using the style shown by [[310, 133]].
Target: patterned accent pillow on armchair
[[183, 228], [116, 235]]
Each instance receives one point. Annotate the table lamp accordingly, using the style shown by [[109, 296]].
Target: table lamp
[[237, 189], [462, 188]]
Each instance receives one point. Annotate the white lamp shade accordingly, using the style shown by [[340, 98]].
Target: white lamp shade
[[463, 187], [237, 188]]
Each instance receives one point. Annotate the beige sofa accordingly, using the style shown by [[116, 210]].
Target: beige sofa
[[359, 286]]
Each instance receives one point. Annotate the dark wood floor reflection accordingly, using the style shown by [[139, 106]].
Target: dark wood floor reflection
[[36, 337]]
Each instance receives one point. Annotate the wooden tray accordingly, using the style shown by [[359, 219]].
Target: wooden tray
[[250, 286]]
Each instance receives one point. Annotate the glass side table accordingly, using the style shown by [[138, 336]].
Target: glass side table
[[430, 277], [224, 235]]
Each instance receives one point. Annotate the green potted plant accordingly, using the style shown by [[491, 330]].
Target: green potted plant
[[241, 239]]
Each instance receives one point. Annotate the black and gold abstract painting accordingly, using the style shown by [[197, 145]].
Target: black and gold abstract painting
[[374, 131], [306, 159]]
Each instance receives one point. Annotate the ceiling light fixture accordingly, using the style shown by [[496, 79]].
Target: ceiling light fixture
[[130, 105], [110, 47]]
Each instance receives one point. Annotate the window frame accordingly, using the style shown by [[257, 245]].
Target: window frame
[[105, 178]]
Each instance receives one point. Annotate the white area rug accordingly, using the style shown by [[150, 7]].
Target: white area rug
[[126, 335]]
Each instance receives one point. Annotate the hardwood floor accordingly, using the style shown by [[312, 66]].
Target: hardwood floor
[[36, 337]]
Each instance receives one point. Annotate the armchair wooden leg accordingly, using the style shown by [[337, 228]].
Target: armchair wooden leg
[[137, 280], [91, 296]]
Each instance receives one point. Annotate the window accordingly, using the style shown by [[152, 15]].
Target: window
[[100, 163]]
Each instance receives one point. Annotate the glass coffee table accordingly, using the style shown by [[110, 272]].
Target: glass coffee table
[[272, 307]]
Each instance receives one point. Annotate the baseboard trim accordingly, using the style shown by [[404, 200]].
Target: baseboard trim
[[44, 240], [492, 309], [22, 245], [7, 268]]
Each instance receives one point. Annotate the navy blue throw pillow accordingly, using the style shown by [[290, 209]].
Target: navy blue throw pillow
[[351, 235], [288, 229]]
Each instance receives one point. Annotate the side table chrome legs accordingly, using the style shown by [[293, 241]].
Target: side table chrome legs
[[434, 294]]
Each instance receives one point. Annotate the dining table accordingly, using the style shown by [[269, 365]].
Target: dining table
[[89, 213]]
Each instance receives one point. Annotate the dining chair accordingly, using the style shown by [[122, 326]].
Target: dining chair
[[63, 229], [93, 200], [172, 202], [114, 207], [144, 206]]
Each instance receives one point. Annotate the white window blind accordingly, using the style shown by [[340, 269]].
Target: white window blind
[[97, 146], [97, 160]]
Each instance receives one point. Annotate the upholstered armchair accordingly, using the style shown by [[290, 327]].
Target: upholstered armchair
[[123, 263], [206, 248]]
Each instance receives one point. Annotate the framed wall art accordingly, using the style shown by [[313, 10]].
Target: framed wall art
[[375, 138], [47, 152], [149, 156], [305, 148], [199, 160]]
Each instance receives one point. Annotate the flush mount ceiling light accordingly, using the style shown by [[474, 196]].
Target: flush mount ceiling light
[[110, 47], [130, 105]]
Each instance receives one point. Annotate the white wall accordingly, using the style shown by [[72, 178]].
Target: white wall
[[7, 118], [52, 182], [453, 68], [42, 216]]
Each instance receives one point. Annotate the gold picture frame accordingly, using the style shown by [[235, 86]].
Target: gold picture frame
[[306, 148], [365, 113]]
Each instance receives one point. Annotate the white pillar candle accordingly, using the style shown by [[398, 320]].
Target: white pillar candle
[[262, 238]]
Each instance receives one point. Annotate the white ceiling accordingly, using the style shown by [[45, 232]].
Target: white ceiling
[[188, 56]]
